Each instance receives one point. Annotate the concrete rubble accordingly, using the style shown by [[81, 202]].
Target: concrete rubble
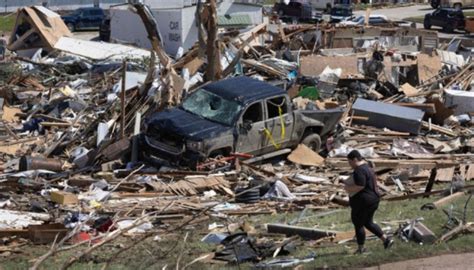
[[75, 114]]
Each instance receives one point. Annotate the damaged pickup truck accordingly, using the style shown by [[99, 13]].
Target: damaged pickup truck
[[237, 115]]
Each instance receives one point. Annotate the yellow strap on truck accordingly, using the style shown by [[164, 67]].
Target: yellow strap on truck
[[269, 135]]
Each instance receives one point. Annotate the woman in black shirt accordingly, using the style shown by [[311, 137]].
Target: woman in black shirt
[[364, 200]]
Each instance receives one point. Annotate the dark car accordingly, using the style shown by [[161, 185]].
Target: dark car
[[84, 18], [341, 13], [447, 18], [296, 10], [237, 115]]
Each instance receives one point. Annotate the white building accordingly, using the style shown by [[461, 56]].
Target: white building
[[176, 21], [13, 5]]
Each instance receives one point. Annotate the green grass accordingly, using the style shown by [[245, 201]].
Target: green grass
[[419, 19], [156, 254], [7, 23]]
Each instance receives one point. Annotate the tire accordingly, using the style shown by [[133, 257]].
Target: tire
[[313, 141], [250, 196], [448, 28], [71, 27], [457, 6], [427, 24]]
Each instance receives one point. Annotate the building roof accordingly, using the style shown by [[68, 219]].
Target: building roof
[[243, 89], [234, 20]]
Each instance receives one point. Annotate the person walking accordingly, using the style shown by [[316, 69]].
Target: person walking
[[364, 200]]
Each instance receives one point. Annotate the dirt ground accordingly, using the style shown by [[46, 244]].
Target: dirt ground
[[448, 261]]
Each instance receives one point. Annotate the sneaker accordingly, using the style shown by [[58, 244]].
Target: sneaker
[[388, 243]]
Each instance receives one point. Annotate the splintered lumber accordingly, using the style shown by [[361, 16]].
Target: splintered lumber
[[192, 185], [397, 163], [440, 129], [461, 228], [306, 233]]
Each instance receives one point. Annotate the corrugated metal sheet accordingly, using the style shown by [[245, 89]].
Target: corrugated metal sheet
[[234, 20]]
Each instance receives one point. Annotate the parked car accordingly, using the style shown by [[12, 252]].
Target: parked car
[[241, 115], [294, 11], [447, 18], [376, 20], [84, 18], [341, 13], [458, 4]]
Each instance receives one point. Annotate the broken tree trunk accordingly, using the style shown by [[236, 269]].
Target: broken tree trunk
[[171, 92], [461, 228], [213, 71]]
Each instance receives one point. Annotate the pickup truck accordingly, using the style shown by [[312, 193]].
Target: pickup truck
[[236, 115], [294, 11], [84, 18]]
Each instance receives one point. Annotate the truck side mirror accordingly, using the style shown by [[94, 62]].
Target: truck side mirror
[[245, 127]]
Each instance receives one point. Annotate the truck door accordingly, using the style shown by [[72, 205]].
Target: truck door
[[97, 17], [250, 130], [279, 124]]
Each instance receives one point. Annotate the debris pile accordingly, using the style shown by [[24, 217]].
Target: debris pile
[[81, 122]]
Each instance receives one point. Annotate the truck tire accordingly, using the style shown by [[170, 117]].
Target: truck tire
[[250, 196], [313, 141], [448, 28], [71, 27], [427, 24]]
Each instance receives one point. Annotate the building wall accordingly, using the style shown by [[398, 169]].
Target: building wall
[[176, 26], [13, 5], [176, 22]]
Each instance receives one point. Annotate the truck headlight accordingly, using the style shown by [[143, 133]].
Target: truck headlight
[[195, 146]]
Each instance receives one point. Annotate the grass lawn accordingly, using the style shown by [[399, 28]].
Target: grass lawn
[[7, 22], [419, 19], [156, 254]]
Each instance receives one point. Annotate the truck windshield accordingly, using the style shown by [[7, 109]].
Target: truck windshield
[[212, 107]]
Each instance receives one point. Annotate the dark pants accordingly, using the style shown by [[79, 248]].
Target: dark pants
[[363, 216]]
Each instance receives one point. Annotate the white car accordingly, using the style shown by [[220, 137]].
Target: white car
[[373, 20]]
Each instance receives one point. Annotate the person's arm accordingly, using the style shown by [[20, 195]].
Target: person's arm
[[359, 182]]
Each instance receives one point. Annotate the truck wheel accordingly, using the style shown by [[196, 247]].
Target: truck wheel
[[71, 27], [448, 28], [427, 24], [313, 141]]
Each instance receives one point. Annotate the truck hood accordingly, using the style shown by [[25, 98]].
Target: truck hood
[[184, 124]]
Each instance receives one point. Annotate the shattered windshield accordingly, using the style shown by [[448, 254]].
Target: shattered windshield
[[212, 107]]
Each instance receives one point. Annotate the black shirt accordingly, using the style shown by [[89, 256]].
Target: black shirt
[[364, 177]]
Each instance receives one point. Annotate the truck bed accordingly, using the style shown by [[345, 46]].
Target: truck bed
[[329, 117]]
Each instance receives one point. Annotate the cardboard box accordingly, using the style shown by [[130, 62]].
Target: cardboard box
[[62, 197]]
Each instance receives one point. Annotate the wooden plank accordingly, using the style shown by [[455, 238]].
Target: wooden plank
[[445, 174], [470, 173]]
